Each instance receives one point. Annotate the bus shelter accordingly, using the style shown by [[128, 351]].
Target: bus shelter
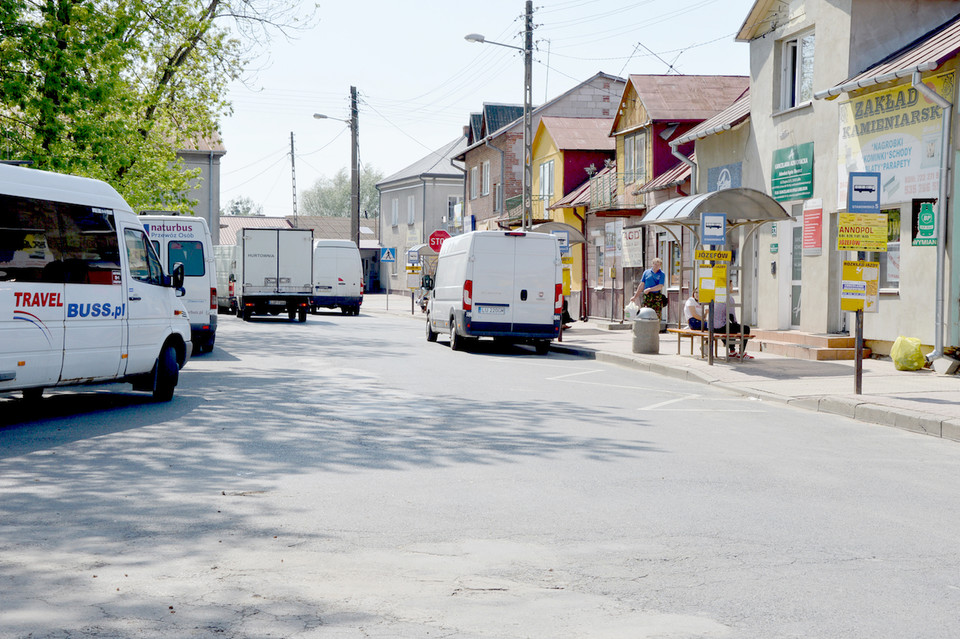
[[743, 208]]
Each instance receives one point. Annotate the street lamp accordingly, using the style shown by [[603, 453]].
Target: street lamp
[[354, 165], [527, 216]]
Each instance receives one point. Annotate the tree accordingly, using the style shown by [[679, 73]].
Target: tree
[[243, 206], [330, 197], [111, 89]]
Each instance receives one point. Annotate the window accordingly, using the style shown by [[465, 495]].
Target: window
[[411, 207], [454, 208], [890, 261], [497, 197], [546, 179], [485, 180], [44, 241], [634, 157], [394, 212], [143, 260], [669, 251], [473, 183], [797, 69], [190, 254]]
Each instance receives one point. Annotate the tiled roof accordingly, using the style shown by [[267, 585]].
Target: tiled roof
[[580, 196], [726, 119], [674, 177], [230, 224], [436, 163], [924, 54], [497, 116], [476, 127], [687, 97], [335, 228], [580, 134]]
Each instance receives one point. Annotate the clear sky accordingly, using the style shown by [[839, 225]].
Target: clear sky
[[418, 80]]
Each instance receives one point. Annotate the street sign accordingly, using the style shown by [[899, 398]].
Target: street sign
[[863, 193], [861, 232], [388, 254], [436, 239], [716, 256], [713, 228]]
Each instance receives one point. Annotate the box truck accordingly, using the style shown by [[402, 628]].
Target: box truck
[[502, 284], [275, 272], [83, 295], [186, 239], [337, 276]]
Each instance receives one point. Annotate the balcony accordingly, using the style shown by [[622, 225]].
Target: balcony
[[610, 191]]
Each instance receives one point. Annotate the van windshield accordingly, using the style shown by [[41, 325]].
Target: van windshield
[[189, 253]]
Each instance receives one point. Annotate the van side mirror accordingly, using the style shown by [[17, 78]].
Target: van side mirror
[[176, 275]]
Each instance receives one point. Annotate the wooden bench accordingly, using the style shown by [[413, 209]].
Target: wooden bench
[[704, 336]]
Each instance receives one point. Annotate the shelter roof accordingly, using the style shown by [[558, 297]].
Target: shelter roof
[[742, 207], [580, 134], [923, 54]]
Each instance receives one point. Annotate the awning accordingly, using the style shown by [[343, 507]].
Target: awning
[[573, 235], [742, 207]]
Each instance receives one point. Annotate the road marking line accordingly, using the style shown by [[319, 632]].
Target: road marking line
[[670, 401]]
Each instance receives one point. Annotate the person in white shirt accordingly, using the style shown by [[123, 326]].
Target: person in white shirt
[[693, 312]]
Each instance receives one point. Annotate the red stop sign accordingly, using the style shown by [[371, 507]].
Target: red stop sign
[[437, 238]]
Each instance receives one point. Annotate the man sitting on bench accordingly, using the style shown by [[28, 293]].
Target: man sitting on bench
[[720, 326]]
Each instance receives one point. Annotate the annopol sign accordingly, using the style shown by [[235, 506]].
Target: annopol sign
[[861, 232]]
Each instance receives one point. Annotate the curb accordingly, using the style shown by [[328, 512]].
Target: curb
[[852, 408]]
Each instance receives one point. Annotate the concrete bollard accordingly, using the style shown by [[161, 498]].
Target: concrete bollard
[[646, 332]]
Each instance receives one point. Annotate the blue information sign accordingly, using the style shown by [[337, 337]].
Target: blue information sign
[[863, 193], [388, 254], [713, 228]]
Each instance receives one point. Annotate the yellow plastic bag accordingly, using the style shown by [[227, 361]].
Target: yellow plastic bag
[[906, 354]]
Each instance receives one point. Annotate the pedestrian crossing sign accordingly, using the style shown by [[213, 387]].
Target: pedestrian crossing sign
[[388, 254]]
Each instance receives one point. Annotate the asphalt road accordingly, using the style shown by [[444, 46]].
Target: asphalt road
[[344, 478]]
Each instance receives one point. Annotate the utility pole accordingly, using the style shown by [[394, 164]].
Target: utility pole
[[293, 177], [354, 169], [528, 119]]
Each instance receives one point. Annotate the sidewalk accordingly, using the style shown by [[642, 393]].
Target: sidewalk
[[919, 401]]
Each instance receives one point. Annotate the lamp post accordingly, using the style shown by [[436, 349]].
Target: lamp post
[[354, 165], [527, 48]]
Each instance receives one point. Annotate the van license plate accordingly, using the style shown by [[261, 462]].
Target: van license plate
[[491, 310], [277, 303]]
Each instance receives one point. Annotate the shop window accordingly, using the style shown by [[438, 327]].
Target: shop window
[[669, 251], [889, 261]]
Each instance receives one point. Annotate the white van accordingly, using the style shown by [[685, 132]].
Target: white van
[[502, 284], [337, 276], [83, 297], [186, 239]]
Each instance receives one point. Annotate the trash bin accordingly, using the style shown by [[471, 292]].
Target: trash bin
[[646, 332]]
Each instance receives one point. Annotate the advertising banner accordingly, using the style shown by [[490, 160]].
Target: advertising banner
[[632, 242], [896, 133], [813, 227], [862, 232]]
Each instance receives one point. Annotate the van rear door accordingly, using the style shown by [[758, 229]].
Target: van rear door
[[535, 267], [31, 295], [493, 281]]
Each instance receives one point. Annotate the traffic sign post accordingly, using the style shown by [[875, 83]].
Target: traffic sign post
[[436, 239]]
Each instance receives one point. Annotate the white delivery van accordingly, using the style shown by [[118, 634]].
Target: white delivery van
[[337, 276], [83, 296], [225, 257], [502, 284], [275, 272], [186, 239]]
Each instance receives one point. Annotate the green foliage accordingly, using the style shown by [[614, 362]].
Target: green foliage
[[242, 206], [112, 89], [331, 196]]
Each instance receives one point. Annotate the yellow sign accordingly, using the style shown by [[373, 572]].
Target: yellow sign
[[713, 284], [717, 256], [415, 268], [860, 286], [862, 232]]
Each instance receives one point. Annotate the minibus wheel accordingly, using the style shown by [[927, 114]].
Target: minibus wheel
[[431, 334], [168, 373]]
